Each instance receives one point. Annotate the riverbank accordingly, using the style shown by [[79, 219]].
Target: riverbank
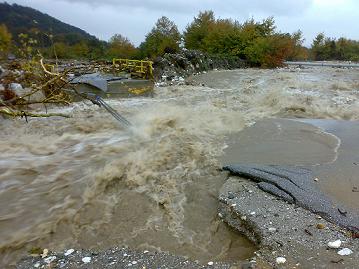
[[154, 187]]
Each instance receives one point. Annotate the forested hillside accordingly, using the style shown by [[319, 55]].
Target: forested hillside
[[25, 22]]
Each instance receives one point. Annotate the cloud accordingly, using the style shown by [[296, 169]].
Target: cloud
[[135, 18], [274, 7]]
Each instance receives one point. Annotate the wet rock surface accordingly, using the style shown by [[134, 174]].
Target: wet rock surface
[[284, 230], [297, 185]]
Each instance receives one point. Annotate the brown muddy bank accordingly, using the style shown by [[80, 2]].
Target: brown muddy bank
[[85, 182]]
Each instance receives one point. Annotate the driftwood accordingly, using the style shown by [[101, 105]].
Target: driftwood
[[55, 94]]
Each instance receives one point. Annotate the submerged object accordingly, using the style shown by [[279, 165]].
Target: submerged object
[[110, 86]]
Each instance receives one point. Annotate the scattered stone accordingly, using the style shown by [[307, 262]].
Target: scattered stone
[[335, 244], [17, 88], [86, 259], [345, 252], [280, 260], [210, 263], [272, 230], [49, 259], [253, 213], [320, 226], [69, 252], [134, 262]]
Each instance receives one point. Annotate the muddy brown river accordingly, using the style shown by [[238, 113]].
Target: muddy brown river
[[85, 182]]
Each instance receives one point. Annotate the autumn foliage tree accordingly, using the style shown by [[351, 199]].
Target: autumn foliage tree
[[164, 37], [325, 48], [256, 42], [121, 47]]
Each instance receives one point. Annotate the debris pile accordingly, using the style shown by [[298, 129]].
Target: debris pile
[[173, 68]]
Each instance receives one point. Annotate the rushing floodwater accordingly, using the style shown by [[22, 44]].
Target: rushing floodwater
[[85, 182]]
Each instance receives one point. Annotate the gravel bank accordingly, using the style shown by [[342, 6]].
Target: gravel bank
[[284, 230]]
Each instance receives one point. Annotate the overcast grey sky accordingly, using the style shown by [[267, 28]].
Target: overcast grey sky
[[134, 18]]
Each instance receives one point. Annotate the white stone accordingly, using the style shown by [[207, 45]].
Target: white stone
[[244, 218], [37, 265], [86, 259], [134, 262], [272, 230], [335, 244], [69, 252], [146, 251], [253, 213], [280, 260], [345, 252], [49, 259], [210, 263]]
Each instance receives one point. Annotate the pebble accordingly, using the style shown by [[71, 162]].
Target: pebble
[[345, 252], [233, 205], [210, 263], [37, 265], [49, 259], [253, 213], [244, 218], [280, 260], [86, 259], [272, 230], [134, 262], [320, 226], [335, 244], [69, 252], [146, 251]]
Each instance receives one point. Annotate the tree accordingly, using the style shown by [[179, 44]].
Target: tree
[[5, 39], [198, 30], [121, 47], [164, 37], [81, 49]]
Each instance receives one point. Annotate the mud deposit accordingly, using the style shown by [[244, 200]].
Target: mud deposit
[[85, 182]]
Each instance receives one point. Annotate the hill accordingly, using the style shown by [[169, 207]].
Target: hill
[[26, 20]]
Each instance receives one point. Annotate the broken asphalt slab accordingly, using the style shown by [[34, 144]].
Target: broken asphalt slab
[[297, 185], [284, 230]]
